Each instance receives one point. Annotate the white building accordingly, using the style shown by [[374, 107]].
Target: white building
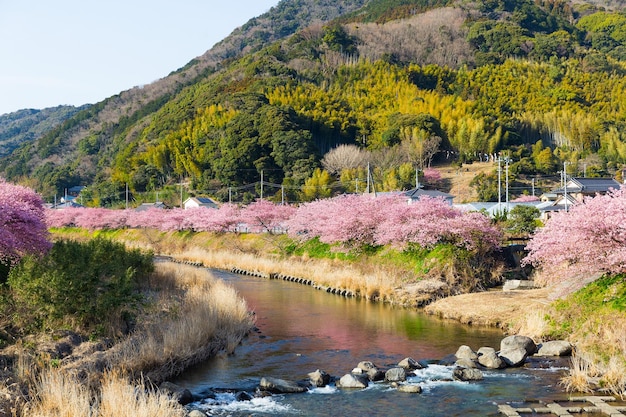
[[195, 202]]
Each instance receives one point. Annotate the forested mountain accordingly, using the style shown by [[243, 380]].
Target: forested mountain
[[406, 82], [29, 124]]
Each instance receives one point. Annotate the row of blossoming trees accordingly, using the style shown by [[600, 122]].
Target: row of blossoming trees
[[588, 241], [349, 221]]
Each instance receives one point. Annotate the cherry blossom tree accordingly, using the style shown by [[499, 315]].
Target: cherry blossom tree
[[355, 220], [431, 221], [23, 229], [582, 244], [62, 218], [350, 220], [525, 199], [265, 216]]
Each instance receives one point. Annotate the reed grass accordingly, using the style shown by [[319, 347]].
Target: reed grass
[[190, 316], [61, 394], [582, 371], [119, 398], [199, 317], [375, 283]]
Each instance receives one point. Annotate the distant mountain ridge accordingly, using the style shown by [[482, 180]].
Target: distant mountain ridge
[[280, 21], [28, 125]]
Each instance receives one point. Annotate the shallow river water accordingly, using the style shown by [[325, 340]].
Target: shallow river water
[[301, 329]]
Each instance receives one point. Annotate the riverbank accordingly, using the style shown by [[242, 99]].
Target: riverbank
[[384, 278], [508, 310], [599, 362], [185, 316]]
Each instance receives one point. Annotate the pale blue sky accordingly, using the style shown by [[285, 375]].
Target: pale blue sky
[[82, 51]]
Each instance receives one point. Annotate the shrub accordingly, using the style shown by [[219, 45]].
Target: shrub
[[84, 285]]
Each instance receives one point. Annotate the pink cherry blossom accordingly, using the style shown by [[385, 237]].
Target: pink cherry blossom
[[265, 216], [22, 223], [586, 242]]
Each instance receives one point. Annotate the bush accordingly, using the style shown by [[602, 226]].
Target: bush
[[87, 286]]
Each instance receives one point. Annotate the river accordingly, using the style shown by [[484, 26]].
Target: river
[[301, 329]]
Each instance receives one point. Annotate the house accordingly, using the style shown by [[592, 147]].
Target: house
[[75, 190], [195, 202], [575, 191], [417, 193], [148, 206], [66, 204], [579, 188]]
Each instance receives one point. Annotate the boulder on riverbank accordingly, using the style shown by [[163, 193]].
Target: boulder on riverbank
[[353, 381], [467, 374], [280, 386], [519, 342], [397, 374], [555, 348], [410, 389], [514, 357], [410, 364], [319, 378], [179, 394], [488, 358]]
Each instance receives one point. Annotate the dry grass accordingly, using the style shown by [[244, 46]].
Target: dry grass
[[534, 324], [580, 375], [602, 343], [460, 179], [207, 316], [191, 316], [376, 283], [504, 309], [119, 398], [60, 394]]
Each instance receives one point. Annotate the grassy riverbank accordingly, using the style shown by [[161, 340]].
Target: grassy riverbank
[[593, 319], [408, 278], [182, 316]]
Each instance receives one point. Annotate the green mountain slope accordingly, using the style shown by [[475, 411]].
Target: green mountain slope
[[29, 125], [542, 81]]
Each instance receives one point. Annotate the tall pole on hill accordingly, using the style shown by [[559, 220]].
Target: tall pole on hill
[[499, 184], [506, 160], [565, 184]]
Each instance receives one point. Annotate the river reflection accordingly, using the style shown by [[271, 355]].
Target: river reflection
[[302, 329]]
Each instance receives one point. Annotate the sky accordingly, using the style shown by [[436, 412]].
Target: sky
[[82, 51]]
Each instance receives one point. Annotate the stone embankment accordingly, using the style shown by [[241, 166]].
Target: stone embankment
[[277, 275]]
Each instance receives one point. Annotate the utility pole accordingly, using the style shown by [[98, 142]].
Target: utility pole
[[181, 192], [532, 181], [417, 179], [261, 184], [506, 160], [499, 184], [230, 195], [565, 184], [126, 196], [282, 195], [367, 190]]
